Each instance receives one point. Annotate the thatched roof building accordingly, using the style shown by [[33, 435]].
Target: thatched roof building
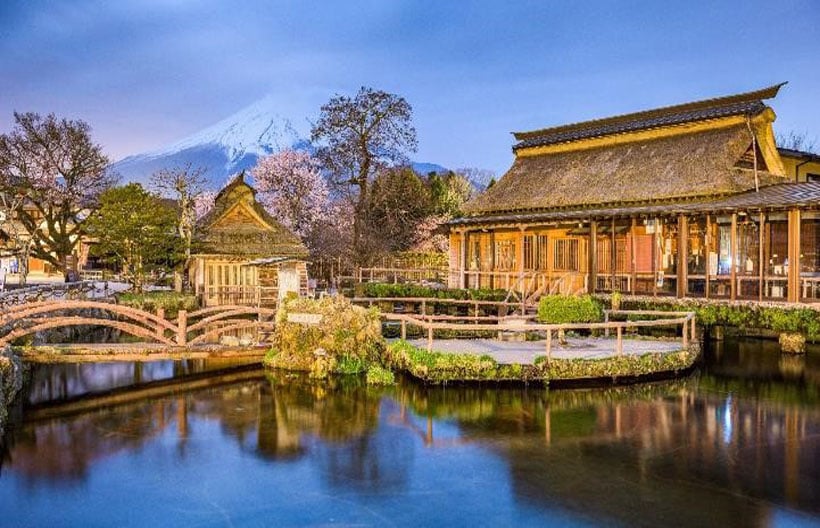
[[243, 255], [687, 200]]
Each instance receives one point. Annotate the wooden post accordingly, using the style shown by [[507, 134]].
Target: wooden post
[[606, 320], [403, 329], [683, 255], [694, 329], [619, 346], [685, 334], [549, 345], [707, 239], [632, 257], [423, 307], [613, 251], [794, 256], [430, 338], [463, 260], [592, 253], [161, 315], [762, 264], [182, 328], [733, 255]]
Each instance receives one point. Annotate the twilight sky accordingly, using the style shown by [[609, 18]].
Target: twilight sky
[[145, 73]]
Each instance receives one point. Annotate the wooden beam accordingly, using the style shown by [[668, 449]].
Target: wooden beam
[[683, 255], [632, 267], [763, 261], [794, 256], [707, 239], [733, 256], [592, 253]]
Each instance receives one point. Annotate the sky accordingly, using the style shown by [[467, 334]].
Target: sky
[[146, 73]]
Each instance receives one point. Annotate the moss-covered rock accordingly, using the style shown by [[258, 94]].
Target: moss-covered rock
[[326, 336]]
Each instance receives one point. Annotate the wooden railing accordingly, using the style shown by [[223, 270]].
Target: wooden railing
[[430, 323], [422, 303], [397, 275]]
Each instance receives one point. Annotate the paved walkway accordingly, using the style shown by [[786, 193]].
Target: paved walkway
[[525, 352]]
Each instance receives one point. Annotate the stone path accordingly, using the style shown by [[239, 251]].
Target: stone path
[[525, 352]]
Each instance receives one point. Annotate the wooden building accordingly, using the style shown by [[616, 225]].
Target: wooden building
[[692, 200], [243, 255]]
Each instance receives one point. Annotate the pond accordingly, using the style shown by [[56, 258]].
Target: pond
[[196, 444]]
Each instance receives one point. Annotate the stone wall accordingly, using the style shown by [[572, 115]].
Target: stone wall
[[11, 381]]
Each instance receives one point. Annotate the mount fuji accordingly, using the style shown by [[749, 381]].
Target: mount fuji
[[232, 145], [222, 149]]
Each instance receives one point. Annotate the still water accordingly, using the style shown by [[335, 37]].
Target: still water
[[195, 444]]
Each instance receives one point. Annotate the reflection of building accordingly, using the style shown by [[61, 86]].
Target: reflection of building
[[692, 200], [243, 255]]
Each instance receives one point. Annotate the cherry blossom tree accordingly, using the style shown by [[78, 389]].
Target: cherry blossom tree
[[60, 172], [292, 189]]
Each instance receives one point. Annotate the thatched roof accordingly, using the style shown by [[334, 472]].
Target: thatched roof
[[239, 226], [562, 167]]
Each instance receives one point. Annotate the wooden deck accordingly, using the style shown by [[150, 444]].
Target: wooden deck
[[525, 352]]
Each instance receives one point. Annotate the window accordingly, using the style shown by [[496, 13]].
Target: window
[[565, 256], [505, 255]]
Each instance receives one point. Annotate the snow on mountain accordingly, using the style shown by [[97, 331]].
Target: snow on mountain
[[232, 145], [223, 149]]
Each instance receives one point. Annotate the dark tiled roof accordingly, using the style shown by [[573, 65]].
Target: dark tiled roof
[[749, 103], [799, 154], [772, 197]]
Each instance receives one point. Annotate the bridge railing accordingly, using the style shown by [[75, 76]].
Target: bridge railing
[[189, 328]]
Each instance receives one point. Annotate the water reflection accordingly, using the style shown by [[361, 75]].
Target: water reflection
[[736, 444]]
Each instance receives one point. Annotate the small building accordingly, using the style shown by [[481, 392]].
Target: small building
[[692, 200], [243, 255]]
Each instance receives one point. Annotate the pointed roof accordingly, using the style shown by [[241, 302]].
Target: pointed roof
[[239, 225]]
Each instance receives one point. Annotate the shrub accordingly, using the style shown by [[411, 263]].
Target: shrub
[[376, 289], [560, 309], [346, 340], [378, 375], [171, 302]]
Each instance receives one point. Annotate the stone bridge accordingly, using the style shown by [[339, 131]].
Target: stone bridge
[[188, 329]]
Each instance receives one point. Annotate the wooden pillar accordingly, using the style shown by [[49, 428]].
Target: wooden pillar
[[592, 254], [632, 255], [161, 315], [733, 255], [762, 260], [492, 260], [613, 255], [683, 255], [794, 256], [707, 239], [462, 281], [519, 256], [655, 254], [182, 328]]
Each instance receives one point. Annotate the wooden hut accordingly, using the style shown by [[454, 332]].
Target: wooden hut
[[243, 255], [687, 200]]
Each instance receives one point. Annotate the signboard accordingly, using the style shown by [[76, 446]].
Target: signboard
[[305, 318]]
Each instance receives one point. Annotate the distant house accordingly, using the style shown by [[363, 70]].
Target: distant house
[[693, 200], [243, 255]]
